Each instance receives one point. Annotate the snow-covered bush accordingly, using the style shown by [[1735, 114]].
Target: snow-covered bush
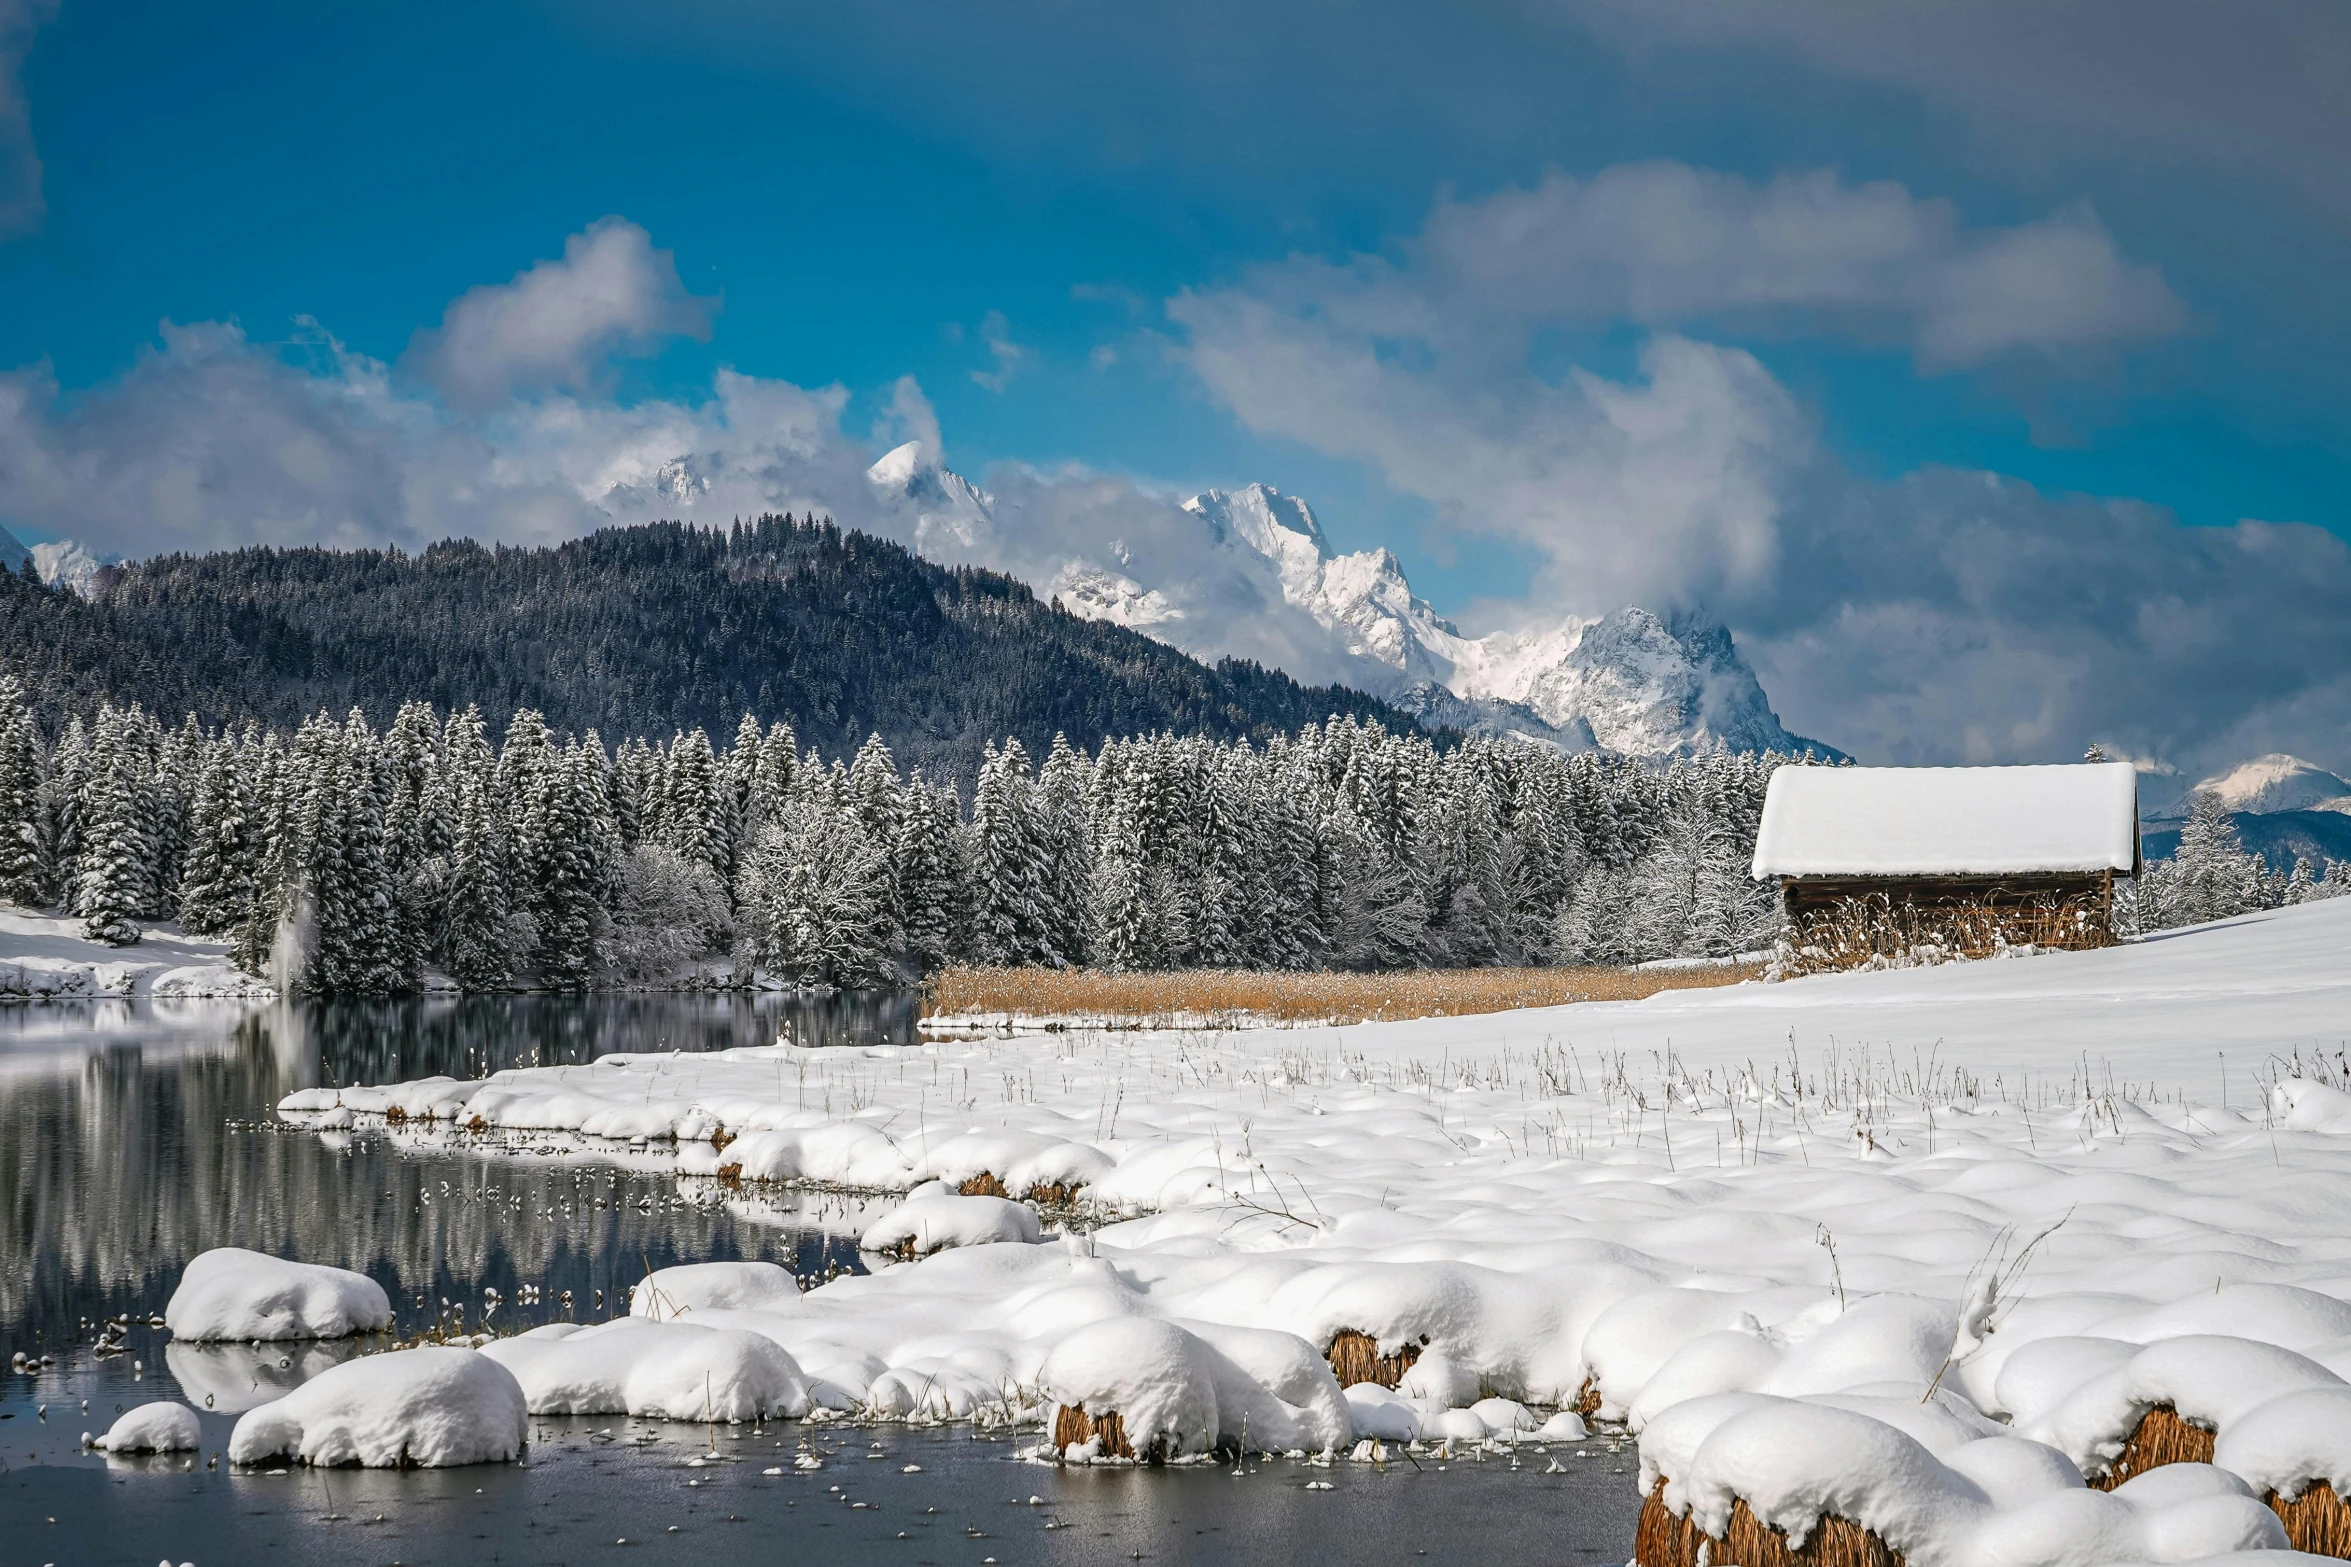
[[671, 910]]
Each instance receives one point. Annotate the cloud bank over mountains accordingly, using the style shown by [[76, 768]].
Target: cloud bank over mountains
[[1943, 615]]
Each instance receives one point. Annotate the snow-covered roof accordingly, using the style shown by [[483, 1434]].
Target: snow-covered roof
[[1950, 821]]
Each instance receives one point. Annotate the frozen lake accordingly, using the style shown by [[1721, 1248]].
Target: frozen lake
[[133, 1136]]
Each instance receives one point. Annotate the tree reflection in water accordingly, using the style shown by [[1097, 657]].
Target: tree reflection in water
[[134, 1135]]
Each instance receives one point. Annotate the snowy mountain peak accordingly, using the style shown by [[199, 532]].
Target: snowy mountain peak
[[1275, 525], [1632, 681], [62, 564], [2277, 782]]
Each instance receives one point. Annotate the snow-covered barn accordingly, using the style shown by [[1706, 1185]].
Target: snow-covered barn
[[1878, 861]]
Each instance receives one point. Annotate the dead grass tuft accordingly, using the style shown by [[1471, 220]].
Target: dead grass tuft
[[1355, 1357], [2161, 1437], [1662, 1540], [1073, 1427], [2317, 1521], [1211, 996]]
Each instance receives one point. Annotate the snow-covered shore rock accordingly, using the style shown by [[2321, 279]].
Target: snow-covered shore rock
[[236, 1295], [152, 1428], [425, 1408]]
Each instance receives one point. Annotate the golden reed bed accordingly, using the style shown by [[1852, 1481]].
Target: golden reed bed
[[1212, 995]]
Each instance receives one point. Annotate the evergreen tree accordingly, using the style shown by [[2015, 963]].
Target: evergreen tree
[[21, 880], [111, 883], [216, 887], [474, 943]]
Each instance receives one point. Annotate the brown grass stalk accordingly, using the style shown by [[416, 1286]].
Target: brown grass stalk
[[2317, 1521], [1355, 1357], [1662, 1540], [1196, 996], [2161, 1437]]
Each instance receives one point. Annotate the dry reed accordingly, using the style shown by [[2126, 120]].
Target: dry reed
[[1211, 996], [1355, 1357], [1050, 1194], [1853, 932], [1662, 1540], [2161, 1437], [2317, 1521], [1073, 1427]]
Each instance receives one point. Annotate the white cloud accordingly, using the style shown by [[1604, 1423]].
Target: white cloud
[[996, 333], [558, 324], [1946, 616], [21, 202]]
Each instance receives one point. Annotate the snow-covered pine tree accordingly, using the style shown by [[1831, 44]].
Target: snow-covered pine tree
[[1063, 786], [693, 816], [345, 875], [61, 823], [929, 871], [111, 885], [21, 881], [216, 886], [417, 832], [474, 941], [571, 827], [1009, 923]]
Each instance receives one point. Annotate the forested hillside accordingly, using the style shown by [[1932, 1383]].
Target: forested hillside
[[639, 631]]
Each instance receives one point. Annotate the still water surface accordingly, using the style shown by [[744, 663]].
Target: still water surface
[[133, 1136]]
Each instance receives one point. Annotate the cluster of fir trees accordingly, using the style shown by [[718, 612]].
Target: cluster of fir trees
[[347, 860], [2212, 875]]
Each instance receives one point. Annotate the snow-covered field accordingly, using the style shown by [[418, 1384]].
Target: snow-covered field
[[46, 957], [1787, 1231]]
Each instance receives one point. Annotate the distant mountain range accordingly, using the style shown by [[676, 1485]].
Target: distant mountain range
[[1632, 681], [639, 631], [2283, 808]]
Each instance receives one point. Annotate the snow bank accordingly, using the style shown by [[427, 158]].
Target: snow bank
[[231, 1293], [925, 1224], [1794, 1195], [424, 1408], [665, 1370], [47, 958], [153, 1428]]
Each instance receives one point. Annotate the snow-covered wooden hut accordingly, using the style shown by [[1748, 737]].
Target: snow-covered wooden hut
[[1882, 861]]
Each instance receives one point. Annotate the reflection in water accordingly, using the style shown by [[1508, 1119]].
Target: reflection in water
[[229, 1379], [134, 1136]]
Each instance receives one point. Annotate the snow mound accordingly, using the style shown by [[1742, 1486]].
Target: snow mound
[[234, 1294], [1186, 1390], [153, 1428], [1020, 1161], [1986, 1502], [663, 1370], [714, 1286], [924, 1225], [424, 1408], [2207, 1379], [2291, 1442]]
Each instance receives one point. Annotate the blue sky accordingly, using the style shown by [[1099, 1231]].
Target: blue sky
[[1011, 204]]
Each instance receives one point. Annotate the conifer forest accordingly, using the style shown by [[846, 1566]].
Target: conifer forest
[[345, 859]]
